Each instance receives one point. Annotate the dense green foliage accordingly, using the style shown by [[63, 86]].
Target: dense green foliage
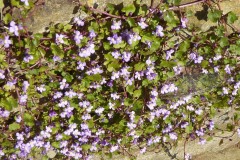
[[130, 76]]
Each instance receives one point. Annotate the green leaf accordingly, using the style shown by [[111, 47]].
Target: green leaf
[[95, 77], [86, 147], [223, 42], [184, 46], [1, 4], [14, 126], [28, 119], [120, 45], [110, 7], [129, 9], [171, 19], [56, 50], [7, 18], [174, 2], [9, 103], [214, 15], [139, 66], [106, 46], [131, 22], [231, 18], [155, 46], [189, 128], [168, 64], [137, 93], [143, 10], [51, 153]]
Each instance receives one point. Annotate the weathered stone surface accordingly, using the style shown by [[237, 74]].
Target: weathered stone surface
[[61, 11]]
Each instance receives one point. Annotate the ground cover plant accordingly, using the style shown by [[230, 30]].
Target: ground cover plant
[[127, 76]]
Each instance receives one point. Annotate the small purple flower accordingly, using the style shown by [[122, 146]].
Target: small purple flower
[[116, 25], [27, 58], [115, 96], [227, 69], [23, 99], [56, 58], [116, 54], [78, 21], [113, 148], [159, 31], [6, 42], [18, 119], [169, 54], [2, 76], [126, 56], [115, 39], [142, 24], [4, 113], [92, 34], [143, 150], [78, 37], [87, 51], [173, 136], [57, 95], [25, 86], [238, 132], [41, 88], [59, 38], [184, 22], [14, 28], [81, 65], [202, 141]]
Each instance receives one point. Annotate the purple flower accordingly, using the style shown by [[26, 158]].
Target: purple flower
[[142, 24], [27, 58], [57, 95], [143, 150], [115, 39], [173, 136], [92, 34], [4, 113], [81, 65], [52, 114], [116, 54], [159, 31], [126, 56], [238, 132], [23, 99], [87, 51], [184, 22], [114, 96], [78, 21], [113, 148], [56, 58], [227, 69], [177, 70], [41, 88], [25, 86], [169, 54], [78, 37], [59, 38], [200, 132], [14, 28], [115, 75], [6, 42], [2, 76], [116, 25]]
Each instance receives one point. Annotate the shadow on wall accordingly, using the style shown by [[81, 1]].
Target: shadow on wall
[[202, 15]]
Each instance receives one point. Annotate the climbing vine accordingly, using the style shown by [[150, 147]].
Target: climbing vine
[[124, 78]]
